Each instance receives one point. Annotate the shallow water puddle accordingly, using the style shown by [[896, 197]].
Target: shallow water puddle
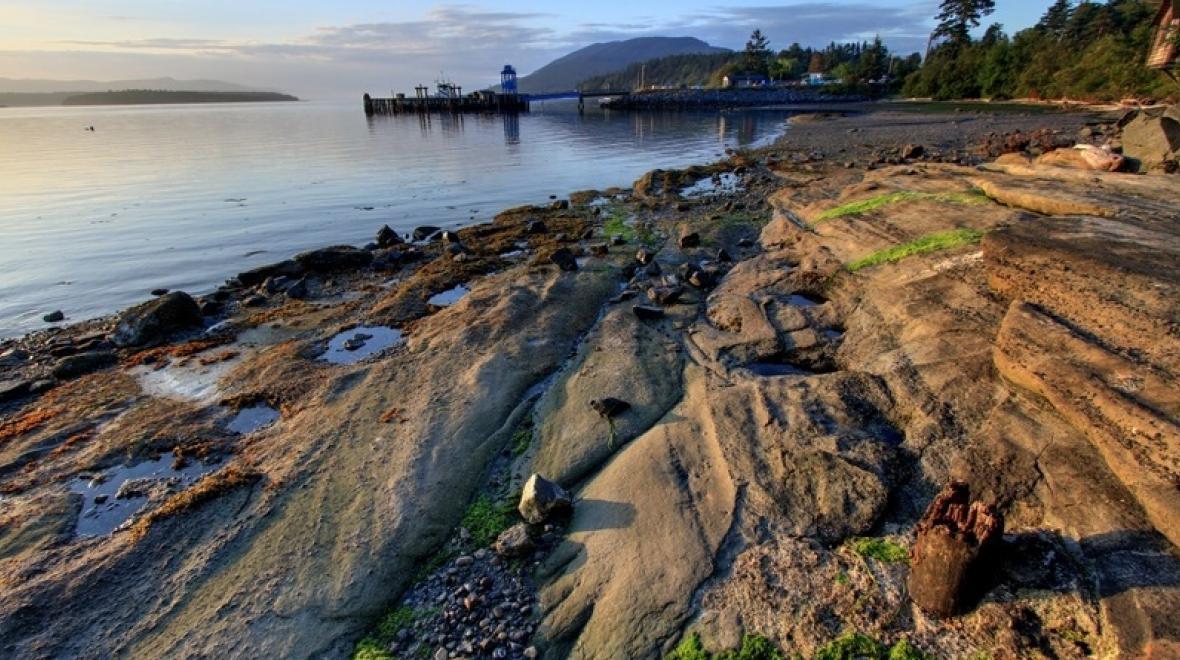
[[103, 511], [365, 341], [254, 418], [771, 369], [722, 184], [449, 297]]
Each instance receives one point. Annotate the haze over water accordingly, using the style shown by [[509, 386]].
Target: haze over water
[[182, 197]]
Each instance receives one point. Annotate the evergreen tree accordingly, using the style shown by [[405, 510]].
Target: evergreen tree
[[956, 18], [1056, 19], [756, 58]]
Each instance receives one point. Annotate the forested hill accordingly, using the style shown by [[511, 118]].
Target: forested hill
[[1093, 51], [671, 71], [154, 97], [565, 73]]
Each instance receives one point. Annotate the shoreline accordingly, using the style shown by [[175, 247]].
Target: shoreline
[[790, 389], [826, 133]]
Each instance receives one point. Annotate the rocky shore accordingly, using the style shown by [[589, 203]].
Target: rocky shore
[[899, 386]]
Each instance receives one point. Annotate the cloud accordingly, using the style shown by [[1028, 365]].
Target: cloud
[[470, 43]]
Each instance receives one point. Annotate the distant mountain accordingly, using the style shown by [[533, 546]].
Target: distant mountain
[[672, 71], [30, 86], [159, 97], [564, 73]]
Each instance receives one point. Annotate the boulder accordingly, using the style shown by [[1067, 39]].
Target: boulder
[[1084, 157], [1152, 141], [156, 320], [424, 232], [956, 545], [54, 316], [256, 276], [334, 258], [82, 364], [542, 499], [565, 260], [387, 237], [514, 542], [665, 295]]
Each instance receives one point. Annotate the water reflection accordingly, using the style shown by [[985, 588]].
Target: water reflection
[[90, 222]]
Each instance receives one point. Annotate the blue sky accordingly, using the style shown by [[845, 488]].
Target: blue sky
[[345, 47]]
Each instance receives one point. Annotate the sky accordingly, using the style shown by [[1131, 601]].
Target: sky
[[343, 48]]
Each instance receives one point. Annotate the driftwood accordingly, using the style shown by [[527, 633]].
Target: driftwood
[[951, 559]]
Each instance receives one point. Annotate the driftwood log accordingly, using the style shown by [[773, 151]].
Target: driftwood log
[[952, 558]]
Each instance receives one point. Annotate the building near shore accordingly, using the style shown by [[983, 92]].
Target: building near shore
[[745, 81]]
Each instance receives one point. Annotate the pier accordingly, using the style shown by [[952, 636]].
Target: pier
[[449, 98]]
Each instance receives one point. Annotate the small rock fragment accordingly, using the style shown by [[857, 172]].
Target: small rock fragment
[[542, 499]]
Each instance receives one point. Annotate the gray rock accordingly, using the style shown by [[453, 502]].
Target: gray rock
[[13, 389], [54, 316], [82, 364], [424, 232], [514, 542], [334, 258], [155, 321], [542, 499], [257, 276], [298, 290], [387, 237]]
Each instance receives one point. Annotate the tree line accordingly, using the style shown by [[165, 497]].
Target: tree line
[[1092, 51], [1085, 50]]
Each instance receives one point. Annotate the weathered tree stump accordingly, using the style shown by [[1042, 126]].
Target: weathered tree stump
[[952, 558]]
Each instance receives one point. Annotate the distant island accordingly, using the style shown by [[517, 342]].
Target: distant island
[[158, 97]]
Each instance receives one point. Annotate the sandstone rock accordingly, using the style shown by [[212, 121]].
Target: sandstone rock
[[542, 499], [335, 258], [1083, 157], [1151, 141], [952, 557], [156, 320], [514, 542]]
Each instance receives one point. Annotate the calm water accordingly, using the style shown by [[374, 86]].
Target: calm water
[[182, 197]]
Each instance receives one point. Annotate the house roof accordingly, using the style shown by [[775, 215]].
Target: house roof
[[1164, 52]]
